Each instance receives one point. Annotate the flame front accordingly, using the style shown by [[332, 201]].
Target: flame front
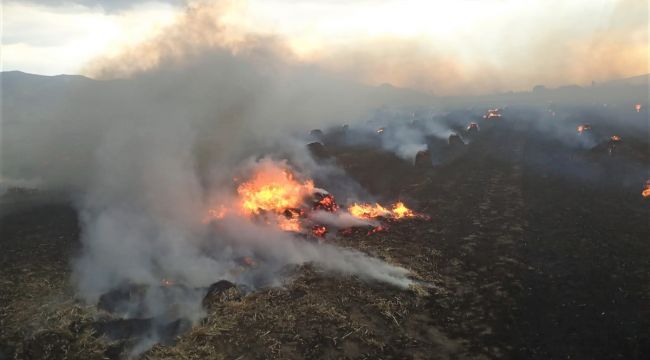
[[367, 211]]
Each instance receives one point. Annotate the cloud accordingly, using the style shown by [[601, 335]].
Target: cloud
[[108, 5]]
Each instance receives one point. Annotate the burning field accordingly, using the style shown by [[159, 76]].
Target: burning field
[[222, 190], [496, 251]]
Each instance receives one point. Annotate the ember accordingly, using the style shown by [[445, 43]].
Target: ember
[[492, 113], [319, 231], [325, 202], [377, 229], [472, 127], [167, 282], [248, 261], [611, 145], [646, 192], [583, 127]]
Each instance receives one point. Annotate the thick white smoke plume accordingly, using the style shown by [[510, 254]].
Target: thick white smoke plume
[[144, 156]]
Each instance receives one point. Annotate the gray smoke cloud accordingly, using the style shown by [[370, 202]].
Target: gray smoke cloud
[[144, 157]]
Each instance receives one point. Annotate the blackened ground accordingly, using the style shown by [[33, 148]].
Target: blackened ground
[[535, 249]]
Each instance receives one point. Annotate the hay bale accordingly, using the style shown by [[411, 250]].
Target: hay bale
[[318, 150], [423, 160], [220, 292]]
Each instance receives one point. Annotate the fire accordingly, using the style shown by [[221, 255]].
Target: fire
[[377, 229], [368, 210], [472, 127], [646, 192], [274, 190], [289, 224], [492, 113], [319, 231], [380, 130], [637, 107], [401, 211], [615, 138], [325, 202], [583, 127]]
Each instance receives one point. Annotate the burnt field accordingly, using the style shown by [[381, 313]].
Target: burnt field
[[534, 249]]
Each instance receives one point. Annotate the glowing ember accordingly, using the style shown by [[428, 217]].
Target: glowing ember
[[273, 189], [492, 113], [167, 282], [319, 231], [637, 107], [646, 192], [377, 229], [583, 127], [611, 145], [325, 202]]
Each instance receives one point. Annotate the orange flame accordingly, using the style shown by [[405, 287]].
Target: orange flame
[[367, 211], [401, 211], [289, 224], [615, 138], [326, 202], [584, 127], [273, 189]]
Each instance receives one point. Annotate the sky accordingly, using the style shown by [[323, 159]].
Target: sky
[[460, 46]]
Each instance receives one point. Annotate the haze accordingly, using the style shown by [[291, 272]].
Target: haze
[[441, 47]]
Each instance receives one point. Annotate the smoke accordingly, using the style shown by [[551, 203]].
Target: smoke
[[144, 157], [482, 47], [340, 219]]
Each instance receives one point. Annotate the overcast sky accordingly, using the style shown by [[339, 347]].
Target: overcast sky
[[60, 36]]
